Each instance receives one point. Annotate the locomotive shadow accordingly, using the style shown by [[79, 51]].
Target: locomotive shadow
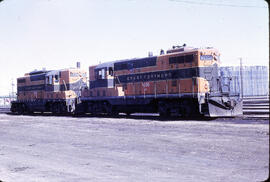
[[232, 120], [40, 114], [141, 116], [227, 120], [147, 117]]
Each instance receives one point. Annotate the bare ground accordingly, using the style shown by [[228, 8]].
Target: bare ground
[[61, 149]]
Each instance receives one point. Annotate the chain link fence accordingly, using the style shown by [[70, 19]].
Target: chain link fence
[[255, 79]]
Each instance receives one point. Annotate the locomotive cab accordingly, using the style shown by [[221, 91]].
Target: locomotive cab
[[104, 75], [101, 77], [52, 81]]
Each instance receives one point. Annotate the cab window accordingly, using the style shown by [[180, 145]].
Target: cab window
[[56, 78], [101, 74], [110, 71], [49, 80]]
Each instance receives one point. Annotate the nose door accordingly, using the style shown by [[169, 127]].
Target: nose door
[[210, 73], [49, 84]]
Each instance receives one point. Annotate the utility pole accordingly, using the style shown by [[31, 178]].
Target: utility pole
[[12, 90], [241, 77]]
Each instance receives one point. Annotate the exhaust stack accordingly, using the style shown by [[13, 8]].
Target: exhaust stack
[[78, 65]]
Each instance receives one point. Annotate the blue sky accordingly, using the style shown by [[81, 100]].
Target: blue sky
[[56, 33]]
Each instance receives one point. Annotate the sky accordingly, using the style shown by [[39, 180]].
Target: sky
[[55, 34]]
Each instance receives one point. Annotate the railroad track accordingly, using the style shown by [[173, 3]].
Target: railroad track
[[253, 107], [256, 107], [4, 109]]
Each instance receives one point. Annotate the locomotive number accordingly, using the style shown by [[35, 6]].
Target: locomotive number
[[146, 84]]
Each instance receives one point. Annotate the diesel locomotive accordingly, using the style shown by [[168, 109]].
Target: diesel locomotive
[[56, 91], [183, 82]]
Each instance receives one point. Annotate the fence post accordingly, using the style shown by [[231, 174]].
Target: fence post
[[241, 77]]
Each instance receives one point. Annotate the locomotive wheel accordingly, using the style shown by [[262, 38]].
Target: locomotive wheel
[[63, 108], [186, 109], [186, 112], [163, 110], [56, 108], [13, 108], [19, 109], [114, 113], [28, 111], [111, 110], [165, 114]]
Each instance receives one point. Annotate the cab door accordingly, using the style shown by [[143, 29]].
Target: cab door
[[56, 83], [49, 83]]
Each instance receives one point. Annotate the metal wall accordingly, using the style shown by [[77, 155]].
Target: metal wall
[[255, 79]]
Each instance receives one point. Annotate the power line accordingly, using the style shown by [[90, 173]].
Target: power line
[[218, 4]]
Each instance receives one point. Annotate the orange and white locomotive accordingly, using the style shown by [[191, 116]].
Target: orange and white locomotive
[[185, 81], [56, 91]]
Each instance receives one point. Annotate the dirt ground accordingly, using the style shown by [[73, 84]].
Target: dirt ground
[[61, 149]]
